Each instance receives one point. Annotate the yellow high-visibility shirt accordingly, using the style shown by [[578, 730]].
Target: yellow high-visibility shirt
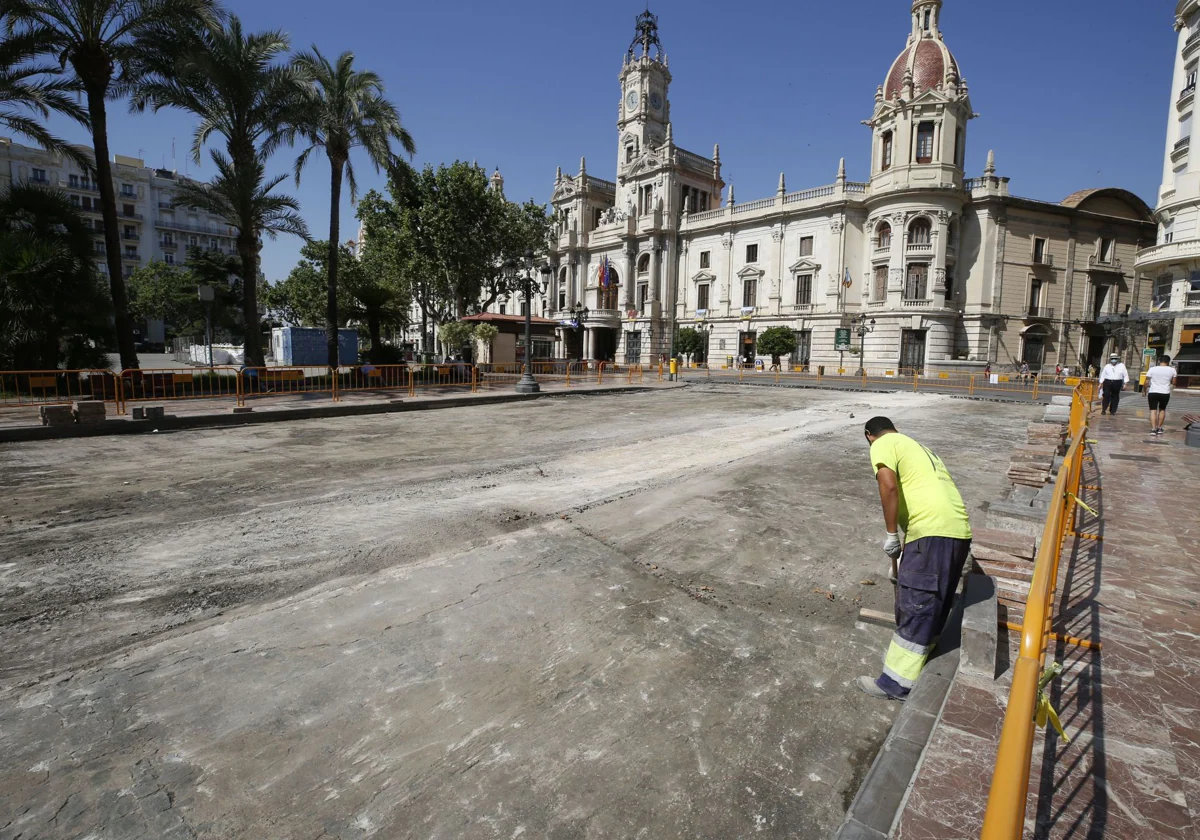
[[930, 504]]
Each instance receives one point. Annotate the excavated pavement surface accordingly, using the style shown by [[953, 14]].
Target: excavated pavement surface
[[610, 616]]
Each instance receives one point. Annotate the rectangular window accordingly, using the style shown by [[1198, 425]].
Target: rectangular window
[[917, 284], [129, 232], [702, 296], [169, 259], [127, 190], [74, 179], [1190, 76], [706, 259], [751, 253], [1106, 250], [502, 308], [804, 290], [881, 280], [1035, 297], [1185, 127], [958, 138], [749, 293], [643, 291], [887, 151], [806, 246], [1039, 250], [75, 201], [562, 299], [127, 209], [193, 242], [39, 176], [925, 142]]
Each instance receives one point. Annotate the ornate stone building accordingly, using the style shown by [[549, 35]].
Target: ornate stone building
[[1172, 264], [943, 270]]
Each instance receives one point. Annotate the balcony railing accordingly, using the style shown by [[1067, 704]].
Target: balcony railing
[[137, 216], [917, 303], [87, 188], [1039, 312], [1110, 264], [1190, 46], [1193, 299], [131, 236], [1180, 150], [131, 257], [168, 243], [1187, 95], [920, 247], [1045, 258], [174, 225]]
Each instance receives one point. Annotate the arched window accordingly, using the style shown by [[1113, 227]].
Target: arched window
[[643, 266], [884, 235], [611, 294], [885, 162], [919, 232]]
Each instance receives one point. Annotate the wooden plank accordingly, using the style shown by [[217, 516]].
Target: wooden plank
[[876, 617]]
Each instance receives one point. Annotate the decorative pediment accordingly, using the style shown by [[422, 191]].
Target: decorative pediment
[[646, 163], [563, 191], [704, 276], [751, 272], [804, 265]]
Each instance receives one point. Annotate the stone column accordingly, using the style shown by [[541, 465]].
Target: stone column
[[938, 269], [896, 258], [587, 344], [628, 279], [655, 270]]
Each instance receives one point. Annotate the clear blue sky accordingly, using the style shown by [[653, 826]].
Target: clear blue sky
[[1071, 93]]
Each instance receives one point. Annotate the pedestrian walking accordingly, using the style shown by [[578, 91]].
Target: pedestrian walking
[[918, 496], [1160, 381], [1024, 373], [1058, 374], [1113, 380]]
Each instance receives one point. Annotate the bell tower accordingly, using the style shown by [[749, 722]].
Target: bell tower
[[644, 114]]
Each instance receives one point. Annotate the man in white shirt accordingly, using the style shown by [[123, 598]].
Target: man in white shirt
[[1113, 380], [1159, 382]]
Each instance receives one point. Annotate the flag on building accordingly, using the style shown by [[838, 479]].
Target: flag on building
[[602, 278]]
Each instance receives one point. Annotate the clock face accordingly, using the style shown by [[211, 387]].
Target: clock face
[[656, 101], [631, 100]]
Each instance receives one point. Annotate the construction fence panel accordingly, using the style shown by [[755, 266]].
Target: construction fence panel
[[288, 381], [168, 384], [450, 377], [57, 387], [375, 378]]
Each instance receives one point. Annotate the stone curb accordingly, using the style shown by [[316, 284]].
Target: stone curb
[[25, 434], [880, 799]]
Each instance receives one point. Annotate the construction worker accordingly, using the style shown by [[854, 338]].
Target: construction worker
[[920, 498]]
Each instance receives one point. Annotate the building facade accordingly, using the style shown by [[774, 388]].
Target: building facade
[[937, 269], [152, 228], [1172, 264]]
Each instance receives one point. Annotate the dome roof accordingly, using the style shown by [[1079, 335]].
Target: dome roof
[[931, 65]]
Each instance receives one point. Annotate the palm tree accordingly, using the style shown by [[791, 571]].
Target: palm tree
[[28, 86], [100, 42], [233, 81], [242, 196], [343, 109]]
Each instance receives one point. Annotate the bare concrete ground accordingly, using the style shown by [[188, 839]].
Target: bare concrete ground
[[625, 616]]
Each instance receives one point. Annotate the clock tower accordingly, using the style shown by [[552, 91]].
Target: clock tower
[[644, 115]]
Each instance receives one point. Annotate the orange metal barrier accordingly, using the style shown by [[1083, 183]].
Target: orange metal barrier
[[1027, 703], [448, 375], [161, 384], [56, 387], [375, 378], [287, 381]]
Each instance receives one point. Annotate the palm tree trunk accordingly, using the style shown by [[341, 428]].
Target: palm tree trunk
[[98, 114], [248, 251], [331, 307]]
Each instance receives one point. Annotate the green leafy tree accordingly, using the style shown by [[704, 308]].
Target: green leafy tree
[[776, 342], [223, 273], [485, 334], [102, 45], [525, 227], [239, 87], [53, 309], [29, 90], [380, 299], [689, 342], [454, 335], [342, 109], [170, 293], [300, 299]]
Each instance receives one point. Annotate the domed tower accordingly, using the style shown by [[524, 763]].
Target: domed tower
[[644, 116], [915, 201]]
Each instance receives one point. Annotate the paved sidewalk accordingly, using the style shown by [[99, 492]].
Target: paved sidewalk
[[1132, 710]]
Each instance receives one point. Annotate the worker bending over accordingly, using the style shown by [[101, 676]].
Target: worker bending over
[[920, 498]]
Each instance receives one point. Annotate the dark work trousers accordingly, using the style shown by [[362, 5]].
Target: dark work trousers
[[929, 573], [1110, 395]]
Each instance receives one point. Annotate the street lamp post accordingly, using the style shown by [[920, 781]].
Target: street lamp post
[[862, 326], [517, 281]]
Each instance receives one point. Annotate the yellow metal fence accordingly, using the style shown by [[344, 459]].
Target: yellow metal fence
[[1027, 703]]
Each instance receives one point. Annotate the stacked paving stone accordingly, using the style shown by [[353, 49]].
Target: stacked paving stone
[[1047, 434], [1008, 558], [1030, 464], [88, 411], [57, 415]]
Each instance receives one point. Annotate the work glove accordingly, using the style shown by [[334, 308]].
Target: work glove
[[892, 546]]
